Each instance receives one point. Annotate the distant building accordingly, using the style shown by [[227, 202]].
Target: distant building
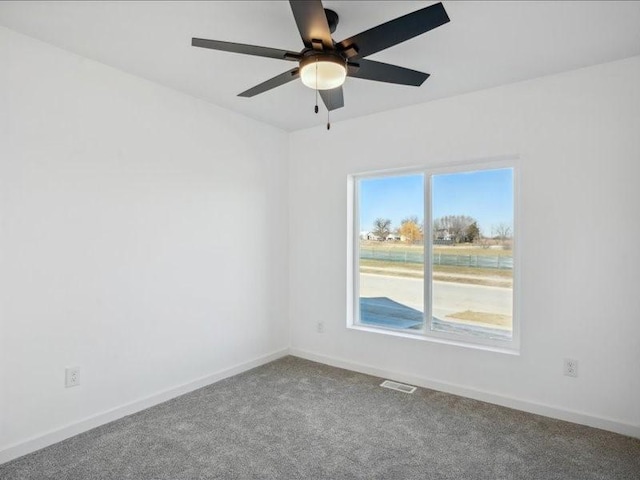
[[442, 237], [368, 236], [443, 234]]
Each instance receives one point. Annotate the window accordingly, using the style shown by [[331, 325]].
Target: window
[[433, 254]]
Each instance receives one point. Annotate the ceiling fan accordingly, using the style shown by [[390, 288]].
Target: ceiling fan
[[324, 64]]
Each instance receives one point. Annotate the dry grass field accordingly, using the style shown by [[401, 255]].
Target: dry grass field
[[460, 249], [485, 318]]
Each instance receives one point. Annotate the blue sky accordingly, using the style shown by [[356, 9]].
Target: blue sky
[[485, 195]]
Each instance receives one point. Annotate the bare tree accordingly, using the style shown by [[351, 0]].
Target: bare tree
[[381, 228], [483, 240], [455, 225], [501, 232]]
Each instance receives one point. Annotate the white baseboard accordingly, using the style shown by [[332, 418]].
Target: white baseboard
[[505, 401], [54, 436]]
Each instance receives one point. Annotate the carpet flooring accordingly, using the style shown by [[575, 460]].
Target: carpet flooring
[[295, 419]]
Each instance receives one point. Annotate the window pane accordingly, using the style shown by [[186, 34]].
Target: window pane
[[472, 263], [391, 253]]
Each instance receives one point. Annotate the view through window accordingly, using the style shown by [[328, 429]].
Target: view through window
[[468, 235]]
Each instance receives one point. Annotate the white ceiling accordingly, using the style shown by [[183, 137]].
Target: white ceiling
[[486, 44]]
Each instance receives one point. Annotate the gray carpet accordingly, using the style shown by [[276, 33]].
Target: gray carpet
[[297, 419]]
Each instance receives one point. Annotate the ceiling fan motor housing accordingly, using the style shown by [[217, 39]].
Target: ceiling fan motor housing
[[313, 56]]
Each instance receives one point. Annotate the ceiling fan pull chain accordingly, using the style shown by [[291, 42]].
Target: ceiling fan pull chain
[[329, 110], [316, 108]]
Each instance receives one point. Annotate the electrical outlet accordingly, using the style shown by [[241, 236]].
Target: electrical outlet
[[320, 327], [72, 377], [570, 367]]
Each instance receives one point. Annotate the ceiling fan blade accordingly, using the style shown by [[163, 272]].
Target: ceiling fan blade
[[246, 49], [312, 22], [274, 82], [333, 98], [394, 31], [384, 72]]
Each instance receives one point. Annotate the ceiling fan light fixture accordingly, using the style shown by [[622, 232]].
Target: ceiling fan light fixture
[[323, 72]]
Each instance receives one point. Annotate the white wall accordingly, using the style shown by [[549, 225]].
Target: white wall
[[142, 238], [578, 134]]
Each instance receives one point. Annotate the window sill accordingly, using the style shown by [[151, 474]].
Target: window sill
[[434, 339]]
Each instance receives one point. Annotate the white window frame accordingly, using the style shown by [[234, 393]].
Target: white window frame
[[353, 255]]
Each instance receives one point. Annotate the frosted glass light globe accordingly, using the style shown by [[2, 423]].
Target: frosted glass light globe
[[329, 74]]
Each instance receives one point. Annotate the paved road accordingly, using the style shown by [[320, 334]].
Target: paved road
[[448, 297]]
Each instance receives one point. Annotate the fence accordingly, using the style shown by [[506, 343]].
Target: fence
[[473, 261]]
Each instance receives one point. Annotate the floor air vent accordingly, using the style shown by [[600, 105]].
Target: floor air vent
[[401, 387]]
